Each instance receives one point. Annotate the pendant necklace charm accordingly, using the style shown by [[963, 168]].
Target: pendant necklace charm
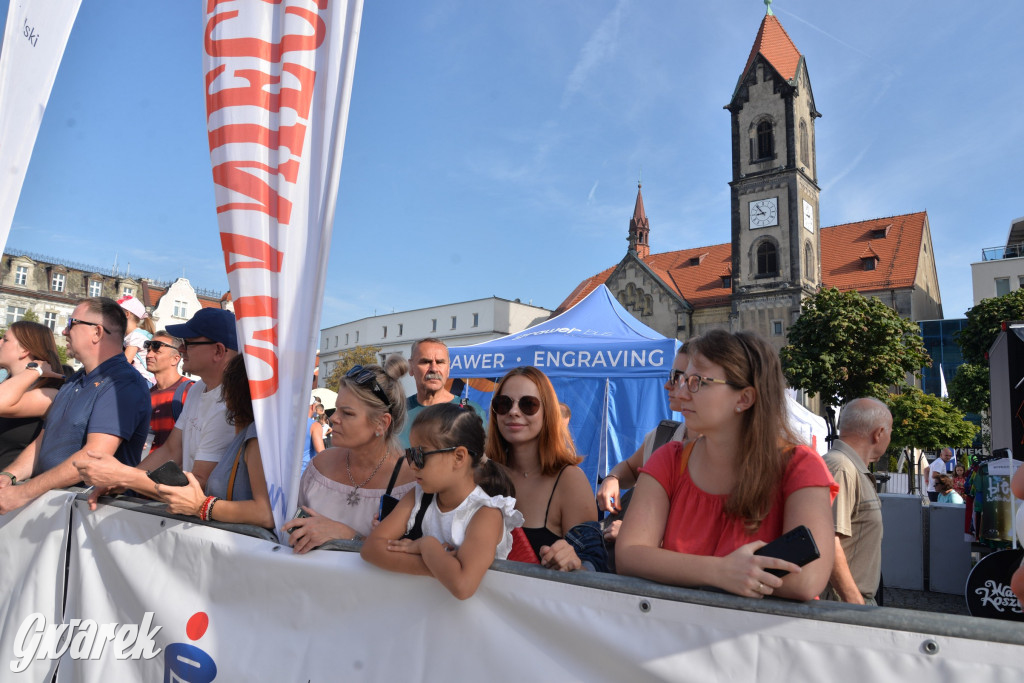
[[354, 498]]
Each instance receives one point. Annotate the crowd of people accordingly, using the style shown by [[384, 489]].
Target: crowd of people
[[432, 483]]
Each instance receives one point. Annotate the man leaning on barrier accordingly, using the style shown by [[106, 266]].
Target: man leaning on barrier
[[103, 408], [202, 433], [865, 428]]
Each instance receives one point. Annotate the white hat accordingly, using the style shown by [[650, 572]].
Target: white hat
[[133, 305]]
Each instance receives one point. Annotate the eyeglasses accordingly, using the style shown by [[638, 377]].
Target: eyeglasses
[[368, 378], [75, 321], [673, 377], [151, 345], [695, 382], [417, 457], [528, 405], [185, 343]]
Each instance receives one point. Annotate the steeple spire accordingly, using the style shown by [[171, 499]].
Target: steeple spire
[[768, 5], [639, 227]]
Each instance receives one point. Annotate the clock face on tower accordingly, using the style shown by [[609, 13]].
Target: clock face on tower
[[764, 213], [808, 216]]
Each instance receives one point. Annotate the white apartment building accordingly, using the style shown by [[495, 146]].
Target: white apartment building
[[458, 324], [1001, 269]]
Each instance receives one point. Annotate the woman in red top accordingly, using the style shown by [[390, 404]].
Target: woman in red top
[[701, 510]]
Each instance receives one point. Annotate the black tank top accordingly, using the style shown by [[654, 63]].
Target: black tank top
[[15, 434], [540, 536]]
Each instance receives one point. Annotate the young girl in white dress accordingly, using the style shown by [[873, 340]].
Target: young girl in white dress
[[459, 517]]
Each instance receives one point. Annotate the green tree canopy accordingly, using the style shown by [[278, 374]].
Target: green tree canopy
[[357, 355], [920, 420], [969, 388], [845, 345], [983, 324]]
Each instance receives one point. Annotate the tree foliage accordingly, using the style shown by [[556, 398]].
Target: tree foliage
[[845, 345], [30, 316], [357, 355], [920, 420], [969, 388], [983, 324]]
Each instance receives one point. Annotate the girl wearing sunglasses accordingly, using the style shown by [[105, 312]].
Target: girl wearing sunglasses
[[340, 491], [700, 511], [527, 435], [460, 516]]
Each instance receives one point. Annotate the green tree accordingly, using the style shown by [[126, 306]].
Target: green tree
[[984, 324], [845, 345], [357, 355], [920, 420], [969, 388], [30, 316]]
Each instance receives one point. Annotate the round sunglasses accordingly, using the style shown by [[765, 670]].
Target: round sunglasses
[[417, 457], [528, 405]]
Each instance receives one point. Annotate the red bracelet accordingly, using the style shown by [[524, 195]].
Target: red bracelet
[[204, 509]]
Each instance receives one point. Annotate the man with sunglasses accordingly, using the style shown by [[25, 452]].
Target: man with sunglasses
[[170, 390], [202, 434], [428, 365], [103, 408]]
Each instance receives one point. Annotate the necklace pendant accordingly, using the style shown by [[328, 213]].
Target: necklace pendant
[[353, 497]]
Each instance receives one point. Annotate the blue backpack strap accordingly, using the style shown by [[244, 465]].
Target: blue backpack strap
[[178, 402]]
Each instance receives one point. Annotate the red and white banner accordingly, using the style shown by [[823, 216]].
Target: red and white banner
[[278, 82], [34, 40]]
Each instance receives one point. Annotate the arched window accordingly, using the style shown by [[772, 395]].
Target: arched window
[[765, 140], [767, 259], [805, 147], [808, 261]]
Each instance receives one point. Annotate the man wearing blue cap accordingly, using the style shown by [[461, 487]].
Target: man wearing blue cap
[[201, 433]]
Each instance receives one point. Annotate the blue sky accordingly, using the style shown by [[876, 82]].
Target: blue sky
[[494, 147]]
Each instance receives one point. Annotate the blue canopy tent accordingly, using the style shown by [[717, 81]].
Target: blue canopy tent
[[605, 364]]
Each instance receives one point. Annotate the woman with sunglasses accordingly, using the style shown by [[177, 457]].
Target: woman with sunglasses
[[700, 511], [527, 435], [460, 516], [29, 354], [342, 490]]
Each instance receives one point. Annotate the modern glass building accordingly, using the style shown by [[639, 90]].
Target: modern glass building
[[939, 340]]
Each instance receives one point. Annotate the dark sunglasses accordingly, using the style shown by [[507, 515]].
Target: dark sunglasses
[[417, 457], [528, 405], [151, 345], [185, 343], [368, 378], [75, 321]]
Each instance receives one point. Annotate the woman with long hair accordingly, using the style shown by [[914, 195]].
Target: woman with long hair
[[29, 354], [345, 489], [527, 435], [236, 491], [700, 511]]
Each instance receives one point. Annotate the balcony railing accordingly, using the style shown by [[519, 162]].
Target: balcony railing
[[999, 253]]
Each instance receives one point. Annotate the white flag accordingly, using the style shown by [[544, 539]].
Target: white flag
[[34, 40], [278, 83], [943, 391]]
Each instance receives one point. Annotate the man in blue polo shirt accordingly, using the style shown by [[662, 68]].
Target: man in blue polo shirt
[[103, 408]]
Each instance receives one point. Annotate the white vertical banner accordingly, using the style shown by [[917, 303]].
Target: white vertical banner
[[278, 79], [34, 40]]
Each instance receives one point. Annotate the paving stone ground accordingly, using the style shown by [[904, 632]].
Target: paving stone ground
[[925, 601]]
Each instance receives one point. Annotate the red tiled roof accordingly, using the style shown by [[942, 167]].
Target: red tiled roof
[[843, 246], [774, 43], [841, 265]]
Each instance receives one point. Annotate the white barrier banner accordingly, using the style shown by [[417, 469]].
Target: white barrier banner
[[209, 604], [33, 547], [278, 84], [37, 32]]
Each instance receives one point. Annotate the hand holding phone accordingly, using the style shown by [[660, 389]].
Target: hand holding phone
[[169, 474], [796, 546]]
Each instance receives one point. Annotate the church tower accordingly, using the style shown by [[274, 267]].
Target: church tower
[[639, 228], [776, 245]]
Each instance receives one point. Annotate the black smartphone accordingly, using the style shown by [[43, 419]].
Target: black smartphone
[[169, 474], [387, 504], [796, 546], [299, 514]]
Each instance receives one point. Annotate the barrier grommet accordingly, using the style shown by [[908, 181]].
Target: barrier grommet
[[930, 647], [645, 606]]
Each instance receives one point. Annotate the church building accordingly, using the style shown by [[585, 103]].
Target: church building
[[778, 254]]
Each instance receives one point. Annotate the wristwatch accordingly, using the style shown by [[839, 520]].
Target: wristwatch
[[35, 366]]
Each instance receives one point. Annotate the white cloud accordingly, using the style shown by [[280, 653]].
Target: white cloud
[[599, 47]]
